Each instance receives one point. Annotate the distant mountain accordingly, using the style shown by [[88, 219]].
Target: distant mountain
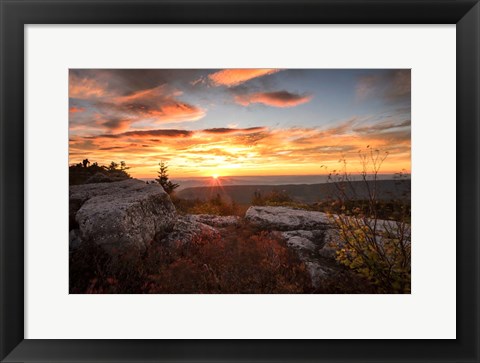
[[305, 193]]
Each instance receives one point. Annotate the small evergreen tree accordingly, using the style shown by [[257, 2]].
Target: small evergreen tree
[[123, 166], [162, 179], [113, 166]]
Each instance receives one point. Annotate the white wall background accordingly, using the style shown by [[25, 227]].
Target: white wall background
[[429, 312]]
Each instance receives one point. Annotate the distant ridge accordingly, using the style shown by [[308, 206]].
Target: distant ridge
[[305, 193]]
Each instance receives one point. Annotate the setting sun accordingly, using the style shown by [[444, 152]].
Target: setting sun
[[215, 176]]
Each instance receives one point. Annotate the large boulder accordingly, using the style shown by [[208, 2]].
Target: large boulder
[[287, 219], [120, 215]]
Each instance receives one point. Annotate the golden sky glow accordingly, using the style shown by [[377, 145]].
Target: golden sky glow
[[239, 122]]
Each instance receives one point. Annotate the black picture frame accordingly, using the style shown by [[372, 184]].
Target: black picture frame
[[15, 14]]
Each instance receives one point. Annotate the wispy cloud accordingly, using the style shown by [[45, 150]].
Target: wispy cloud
[[392, 85], [85, 88], [378, 127]]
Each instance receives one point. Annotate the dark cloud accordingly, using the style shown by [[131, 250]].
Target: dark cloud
[[225, 130], [113, 148], [375, 128], [127, 81], [116, 124], [145, 133], [391, 85], [275, 99]]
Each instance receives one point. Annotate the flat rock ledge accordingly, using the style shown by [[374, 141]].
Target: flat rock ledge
[[287, 219], [216, 221], [119, 215]]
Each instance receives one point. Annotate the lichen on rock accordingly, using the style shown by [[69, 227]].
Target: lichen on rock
[[120, 215]]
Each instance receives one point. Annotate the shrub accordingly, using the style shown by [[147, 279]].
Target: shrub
[[379, 253], [386, 209], [273, 198], [216, 206], [374, 248], [243, 261]]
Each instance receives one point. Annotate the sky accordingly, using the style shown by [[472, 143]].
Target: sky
[[234, 122]]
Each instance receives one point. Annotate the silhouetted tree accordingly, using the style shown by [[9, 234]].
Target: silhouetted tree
[[123, 166], [162, 179], [113, 166], [81, 172]]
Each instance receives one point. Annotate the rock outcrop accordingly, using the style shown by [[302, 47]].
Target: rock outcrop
[[120, 215], [187, 229], [99, 178], [312, 248], [287, 219], [305, 232], [217, 221], [309, 234]]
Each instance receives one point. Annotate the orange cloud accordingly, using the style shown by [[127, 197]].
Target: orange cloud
[[158, 104], [76, 109], [234, 77], [275, 99], [175, 111]]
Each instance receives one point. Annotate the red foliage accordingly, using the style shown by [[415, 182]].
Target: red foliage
[[242, 261]]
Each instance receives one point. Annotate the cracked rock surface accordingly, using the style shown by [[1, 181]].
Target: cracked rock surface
[[120, 215]]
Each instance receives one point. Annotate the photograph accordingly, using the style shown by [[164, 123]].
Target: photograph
[[239, 181]]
